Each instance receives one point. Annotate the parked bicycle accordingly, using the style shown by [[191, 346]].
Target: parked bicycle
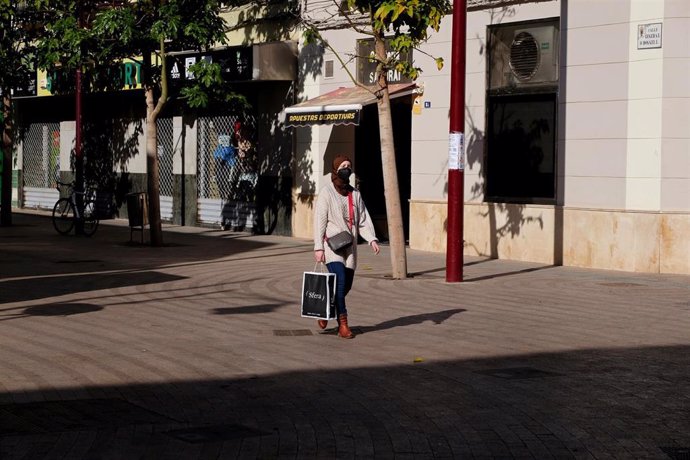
[[66, 212]]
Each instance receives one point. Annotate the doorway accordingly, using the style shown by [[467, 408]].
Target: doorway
[[368, 163]]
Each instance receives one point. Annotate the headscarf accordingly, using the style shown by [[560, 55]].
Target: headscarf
[[340, 185]]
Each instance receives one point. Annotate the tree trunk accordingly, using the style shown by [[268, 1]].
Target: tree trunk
[[6, 192], [396, 233], [153, 183]]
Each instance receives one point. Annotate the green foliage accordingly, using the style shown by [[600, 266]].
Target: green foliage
[[408, 69], [209, 86], [63, 44], [312, 36], [105, 33], [114, 21], [17, 32], [439, 63], [418, 15]]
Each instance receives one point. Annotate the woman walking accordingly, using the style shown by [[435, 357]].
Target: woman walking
[[340, 208]]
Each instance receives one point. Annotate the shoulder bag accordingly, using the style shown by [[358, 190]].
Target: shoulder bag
[[343, 240]]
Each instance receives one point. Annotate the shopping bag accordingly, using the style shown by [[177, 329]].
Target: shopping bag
[[318, 295]]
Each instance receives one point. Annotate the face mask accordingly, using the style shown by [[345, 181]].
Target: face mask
[[344, 173]]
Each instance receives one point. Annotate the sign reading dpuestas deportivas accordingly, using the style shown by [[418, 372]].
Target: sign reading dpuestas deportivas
[[318, 117]]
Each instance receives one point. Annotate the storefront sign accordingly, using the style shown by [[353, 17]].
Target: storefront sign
[[342, 117], [649, 36], [235, 64], [42, 83], [366, 64], [26, 86]]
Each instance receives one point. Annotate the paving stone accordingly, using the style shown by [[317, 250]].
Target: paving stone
[[523, 361]]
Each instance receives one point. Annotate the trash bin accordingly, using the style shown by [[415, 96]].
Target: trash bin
[[137, 213]]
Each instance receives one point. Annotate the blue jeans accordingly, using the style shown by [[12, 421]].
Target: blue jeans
[[344, 278]]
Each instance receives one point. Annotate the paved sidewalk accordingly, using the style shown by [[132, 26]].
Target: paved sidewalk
[[113, 350]]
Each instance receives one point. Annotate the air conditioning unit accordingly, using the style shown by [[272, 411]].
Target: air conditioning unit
[[525, 57]]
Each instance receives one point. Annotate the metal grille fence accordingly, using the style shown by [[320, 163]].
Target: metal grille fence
[[164, 127], [227, 172], [41, 155]]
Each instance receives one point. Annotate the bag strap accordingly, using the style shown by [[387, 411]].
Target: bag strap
[[351, 210], [321, 266]]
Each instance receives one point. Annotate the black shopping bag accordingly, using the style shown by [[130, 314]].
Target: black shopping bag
[[318, 295]]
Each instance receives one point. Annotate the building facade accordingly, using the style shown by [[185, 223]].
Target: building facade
[[577, 147], [224, 166], [576, 135]]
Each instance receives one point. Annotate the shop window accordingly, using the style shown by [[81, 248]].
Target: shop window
[[521, 148]]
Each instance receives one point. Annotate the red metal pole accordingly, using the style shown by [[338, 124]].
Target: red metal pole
[[77, 127], [77, 122], [78, 154], [456, 148]]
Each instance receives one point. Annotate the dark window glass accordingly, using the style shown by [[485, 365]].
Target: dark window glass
[[521, 148]]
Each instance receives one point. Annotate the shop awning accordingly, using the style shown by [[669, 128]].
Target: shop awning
[[339, 107]]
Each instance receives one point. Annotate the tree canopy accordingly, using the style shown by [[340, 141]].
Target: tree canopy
[[97, 35], [405, 24], [18, 30], [93, 37]]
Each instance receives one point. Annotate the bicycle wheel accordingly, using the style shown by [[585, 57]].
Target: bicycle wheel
[[90, 218], [63, 216]]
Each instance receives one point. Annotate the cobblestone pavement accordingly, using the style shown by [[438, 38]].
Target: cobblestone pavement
[[196, 350]]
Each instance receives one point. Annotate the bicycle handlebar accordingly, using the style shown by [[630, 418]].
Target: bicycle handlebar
[[71, 185]]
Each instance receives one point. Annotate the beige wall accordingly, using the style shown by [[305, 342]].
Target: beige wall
[[185, 129], [303, 215], [675, 134], [316, 146], [135, 164], [593, 238], [626, 111]]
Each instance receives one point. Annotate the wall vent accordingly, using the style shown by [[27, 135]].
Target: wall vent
[[328, 72], [524, 56]]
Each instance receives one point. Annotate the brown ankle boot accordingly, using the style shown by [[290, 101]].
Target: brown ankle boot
[[322, 323], [343, 329]]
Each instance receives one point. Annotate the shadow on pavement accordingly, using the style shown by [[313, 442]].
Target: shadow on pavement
[[56, 309], [598, 403], [61, 309], [33, 248], [516, 272], [249, 309], [436, 318]]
